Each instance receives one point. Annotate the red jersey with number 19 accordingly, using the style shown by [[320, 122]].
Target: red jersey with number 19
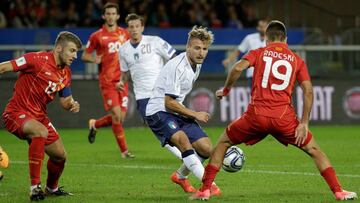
[[276, 69], [107, 45], [39, 81]]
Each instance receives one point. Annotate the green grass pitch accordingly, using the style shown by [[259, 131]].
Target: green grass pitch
[[272, 172]]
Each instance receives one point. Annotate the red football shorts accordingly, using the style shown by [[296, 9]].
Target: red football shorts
[[113, 97], [15, 121], [252, 128]]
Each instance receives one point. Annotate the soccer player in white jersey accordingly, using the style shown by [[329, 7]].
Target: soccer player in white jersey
[[250, 42], [142, 58], [168, 118]]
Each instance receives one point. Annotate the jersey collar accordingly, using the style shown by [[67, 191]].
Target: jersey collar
[[281, 44]]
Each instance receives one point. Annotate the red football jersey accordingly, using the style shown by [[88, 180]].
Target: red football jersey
[[107, 44], [39, 81], [276, 68]]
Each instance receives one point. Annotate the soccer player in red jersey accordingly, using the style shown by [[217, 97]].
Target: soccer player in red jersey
[[106, 42], [42, 76], [270, 110]]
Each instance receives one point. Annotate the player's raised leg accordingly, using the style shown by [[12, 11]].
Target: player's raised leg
[[327, 171], [95, 124]]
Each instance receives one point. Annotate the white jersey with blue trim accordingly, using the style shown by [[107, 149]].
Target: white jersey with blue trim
[[251, 42], [176, 79], [144, 61]]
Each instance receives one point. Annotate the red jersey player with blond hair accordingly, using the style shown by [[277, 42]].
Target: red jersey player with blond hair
[[106, 42], [270, 110], [42, 76]]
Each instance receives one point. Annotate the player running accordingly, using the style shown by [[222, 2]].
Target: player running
[[270, 111], [42, 76], [169, 119], [142, 57], [106, 42]]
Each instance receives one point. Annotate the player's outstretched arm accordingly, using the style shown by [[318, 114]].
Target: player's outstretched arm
[[233, 75], [231, 58], [88, 57], [69, 104], [6, 67]]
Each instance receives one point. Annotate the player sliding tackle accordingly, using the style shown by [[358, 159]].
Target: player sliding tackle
[[276, 68], [169, 119], [42, 76]]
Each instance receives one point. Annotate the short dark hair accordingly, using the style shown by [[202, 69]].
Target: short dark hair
[[65, 36], [275, 30], [111, 5], [134, 16]]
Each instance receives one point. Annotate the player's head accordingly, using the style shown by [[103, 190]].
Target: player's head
[[111, 14], [261, 25], [135, 26], [66, 46], [198, 43], [275, 31]]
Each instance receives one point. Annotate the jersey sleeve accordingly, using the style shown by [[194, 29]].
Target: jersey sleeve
[[244, 45], [123, 65], [303, 73], [27, 62], [251, 57], [92, 44], [164, 48], [172, 87]]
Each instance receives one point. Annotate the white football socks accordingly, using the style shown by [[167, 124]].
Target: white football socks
[[174, 150], [194, 164]]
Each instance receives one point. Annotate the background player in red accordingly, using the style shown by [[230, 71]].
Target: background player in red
[[270, 110], [42, 76], [106, 42]]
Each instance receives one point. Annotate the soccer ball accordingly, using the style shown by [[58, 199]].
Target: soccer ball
[[234, 159]]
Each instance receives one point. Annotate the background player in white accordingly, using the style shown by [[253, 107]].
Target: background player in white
[[142, 58], [168, 118], [250, 42]]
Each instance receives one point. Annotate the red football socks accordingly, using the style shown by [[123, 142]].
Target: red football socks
[[209, 176], [55, 169], [120, 136], [103, 121], [331, 179], [36, 157]]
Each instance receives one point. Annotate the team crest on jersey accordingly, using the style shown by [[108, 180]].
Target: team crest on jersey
[[136, 56], [172, 125], [109, 102]]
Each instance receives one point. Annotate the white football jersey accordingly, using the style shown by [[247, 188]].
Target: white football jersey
[[251, 42], [144, 61], [176, 80]]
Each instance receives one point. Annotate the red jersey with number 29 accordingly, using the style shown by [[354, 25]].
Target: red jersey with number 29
[[107, 45], [39, 81], [276, 68]]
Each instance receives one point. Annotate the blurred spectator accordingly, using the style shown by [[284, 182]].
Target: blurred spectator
[[160, 18], [3, 21], [72, 18], [159, 13], [233, 21]]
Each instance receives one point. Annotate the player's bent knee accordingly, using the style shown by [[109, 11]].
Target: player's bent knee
[[39, 132]]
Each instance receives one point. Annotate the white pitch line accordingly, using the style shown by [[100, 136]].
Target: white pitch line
[[169, 168]]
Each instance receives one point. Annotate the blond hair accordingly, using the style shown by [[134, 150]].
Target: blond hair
[[201, 33]]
